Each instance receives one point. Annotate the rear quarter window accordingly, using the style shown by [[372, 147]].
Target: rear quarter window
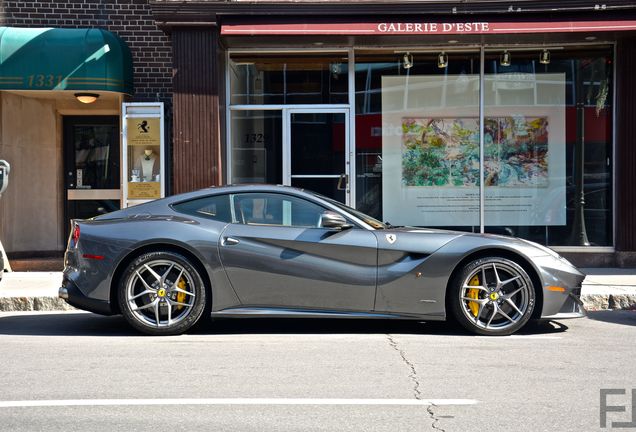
[[216, 207]]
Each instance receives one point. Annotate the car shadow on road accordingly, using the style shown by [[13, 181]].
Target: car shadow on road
[[86, 324], [624, 317]]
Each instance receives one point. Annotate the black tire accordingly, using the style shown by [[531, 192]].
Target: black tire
[[493, 308], [162, 293]]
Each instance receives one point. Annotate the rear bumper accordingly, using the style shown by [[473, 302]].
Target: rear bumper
[[73, 296]]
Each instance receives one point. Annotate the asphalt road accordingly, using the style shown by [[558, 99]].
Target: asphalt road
[[80, 372]]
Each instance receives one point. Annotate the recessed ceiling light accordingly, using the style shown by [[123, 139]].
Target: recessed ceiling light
[[453, 41], [590, 38], [319, 43]]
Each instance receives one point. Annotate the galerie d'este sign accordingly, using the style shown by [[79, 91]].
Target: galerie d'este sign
[[454, 28], [414, 28]]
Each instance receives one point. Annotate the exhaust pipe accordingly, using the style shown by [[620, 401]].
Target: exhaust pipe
[[62, 293]]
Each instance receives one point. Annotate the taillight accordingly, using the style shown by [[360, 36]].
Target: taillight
[[76, 234]]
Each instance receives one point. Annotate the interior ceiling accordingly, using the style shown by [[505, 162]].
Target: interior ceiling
[[427, 41]]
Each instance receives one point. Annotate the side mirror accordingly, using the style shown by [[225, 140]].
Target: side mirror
[[333, 220]]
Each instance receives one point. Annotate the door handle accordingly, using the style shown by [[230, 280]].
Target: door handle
[[344, 177], [230, 241]]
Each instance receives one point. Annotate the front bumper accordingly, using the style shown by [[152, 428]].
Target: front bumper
[[561, 283], [73, 296], [572, 308]]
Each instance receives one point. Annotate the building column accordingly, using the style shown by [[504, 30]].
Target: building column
[[195, 145], [625, 153]]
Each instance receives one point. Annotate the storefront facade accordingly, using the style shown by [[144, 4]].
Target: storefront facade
[[475, 117], [479, 116], [65, 73]]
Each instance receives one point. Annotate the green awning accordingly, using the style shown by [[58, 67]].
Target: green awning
[[64, 59]]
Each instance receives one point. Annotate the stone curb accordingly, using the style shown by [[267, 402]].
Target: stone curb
[[596, 302], [592, 302], [19, 304]]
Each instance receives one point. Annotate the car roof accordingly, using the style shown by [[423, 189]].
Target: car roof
[[238, 188]]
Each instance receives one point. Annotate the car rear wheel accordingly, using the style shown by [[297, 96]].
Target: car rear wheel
[[162, 293], [492, 296]]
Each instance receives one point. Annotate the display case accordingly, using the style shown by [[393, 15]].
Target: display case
[[143, 152]]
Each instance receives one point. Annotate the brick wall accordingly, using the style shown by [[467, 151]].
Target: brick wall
[[130, 19]]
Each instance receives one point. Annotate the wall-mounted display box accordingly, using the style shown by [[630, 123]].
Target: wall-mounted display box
[[143, 152]]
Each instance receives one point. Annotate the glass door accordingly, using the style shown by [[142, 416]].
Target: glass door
[[92, 168], [316, 153]]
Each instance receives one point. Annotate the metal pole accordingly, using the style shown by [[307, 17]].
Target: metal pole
[[578, 236], [5, 168], [482, 189], [7, 266]]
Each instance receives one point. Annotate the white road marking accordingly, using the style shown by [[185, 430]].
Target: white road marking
[[533, 337], [495, 338], [230, 401]]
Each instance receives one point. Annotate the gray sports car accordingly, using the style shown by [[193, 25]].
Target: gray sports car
[[276, 251]]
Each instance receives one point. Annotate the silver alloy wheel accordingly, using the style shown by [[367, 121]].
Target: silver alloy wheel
[[500, 297], [160, 293]]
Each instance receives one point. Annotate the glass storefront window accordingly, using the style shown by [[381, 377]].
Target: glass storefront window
[[548, 146], [265, 79], [547, 143], [417, 139], [547, 136], [257, 149]]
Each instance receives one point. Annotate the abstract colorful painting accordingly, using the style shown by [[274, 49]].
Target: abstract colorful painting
[[445, 151]]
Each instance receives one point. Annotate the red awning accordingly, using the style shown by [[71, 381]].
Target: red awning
[[422, 28]]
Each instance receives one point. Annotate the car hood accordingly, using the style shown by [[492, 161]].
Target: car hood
[[439, 237]]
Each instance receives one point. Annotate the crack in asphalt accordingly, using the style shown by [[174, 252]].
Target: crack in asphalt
[[416, 383], [436, 420]]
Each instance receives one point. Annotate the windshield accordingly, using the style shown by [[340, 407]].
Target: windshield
[[374, 223]]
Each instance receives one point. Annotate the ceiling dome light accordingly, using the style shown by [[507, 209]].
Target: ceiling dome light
[[86, 98], [544, 57]]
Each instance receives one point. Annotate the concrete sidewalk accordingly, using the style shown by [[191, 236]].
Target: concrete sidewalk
[[603, 288]]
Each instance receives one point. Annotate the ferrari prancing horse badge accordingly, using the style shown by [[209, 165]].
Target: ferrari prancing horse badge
[[391, 238]]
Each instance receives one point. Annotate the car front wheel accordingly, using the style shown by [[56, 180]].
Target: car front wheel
[[492, 296], [162, 293]]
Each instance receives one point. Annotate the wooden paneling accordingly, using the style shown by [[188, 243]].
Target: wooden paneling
[[195, 151], [626, 146]]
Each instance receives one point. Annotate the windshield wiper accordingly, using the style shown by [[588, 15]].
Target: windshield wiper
[[390, 225]]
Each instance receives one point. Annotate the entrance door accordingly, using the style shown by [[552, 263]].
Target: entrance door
[[316, 149], [91, 166]]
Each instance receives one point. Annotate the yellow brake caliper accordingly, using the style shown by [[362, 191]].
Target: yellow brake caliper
[[473, 293], [181, 296]]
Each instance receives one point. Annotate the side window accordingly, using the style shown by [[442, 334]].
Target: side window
[[215, 207], [276, 209]]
